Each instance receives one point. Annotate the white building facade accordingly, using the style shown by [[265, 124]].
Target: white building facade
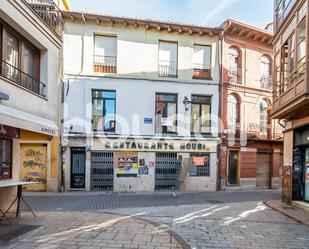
[[140, 104], [30, 75]]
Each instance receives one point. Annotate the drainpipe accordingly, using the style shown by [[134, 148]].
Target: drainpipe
[[220, 134]]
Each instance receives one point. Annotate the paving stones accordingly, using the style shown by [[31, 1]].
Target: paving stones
[[91, 230], [231, 225]]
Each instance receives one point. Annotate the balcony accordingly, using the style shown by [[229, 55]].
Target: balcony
[[235, 76], [291, 95], [266, 82], [105, 64], [200, 72], [253, 131], [168, 69], [49, 12], [22, 79]]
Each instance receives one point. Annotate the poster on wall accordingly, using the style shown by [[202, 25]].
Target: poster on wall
[[126, 164], [34, 166]]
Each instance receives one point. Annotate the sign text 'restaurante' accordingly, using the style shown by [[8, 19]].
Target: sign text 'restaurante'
[[156, 146]]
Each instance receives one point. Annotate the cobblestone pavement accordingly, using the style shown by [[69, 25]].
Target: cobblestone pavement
[[231, 225], [92, 230], [82, 201]]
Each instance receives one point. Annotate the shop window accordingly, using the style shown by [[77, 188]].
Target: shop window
[[104, 110], [5, 158], [200, 114], [166, 113], [200, 165], [201, 62]]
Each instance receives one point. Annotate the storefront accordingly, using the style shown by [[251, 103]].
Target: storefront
[[137, 165], [300, 171]]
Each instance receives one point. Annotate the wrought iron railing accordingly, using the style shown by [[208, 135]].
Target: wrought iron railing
[[49, 12], [105, 64], [168, 69], [266, 82], [253, 131], [21, 78], [235, 76]]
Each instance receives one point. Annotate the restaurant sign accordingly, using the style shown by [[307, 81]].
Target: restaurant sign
[[163, 145]]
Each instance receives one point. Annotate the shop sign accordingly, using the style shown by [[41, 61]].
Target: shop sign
[[198, 160], [8, 131], [154, 145]]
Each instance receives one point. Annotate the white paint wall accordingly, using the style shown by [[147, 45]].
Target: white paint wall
[[17, 15], [135, 100], [137, 50]]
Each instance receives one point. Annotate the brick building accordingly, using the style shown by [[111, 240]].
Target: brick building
[[251, 149], [291, 94]]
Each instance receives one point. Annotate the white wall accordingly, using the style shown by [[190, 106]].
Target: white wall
[[137, 50], [17, 15], [134, 99]]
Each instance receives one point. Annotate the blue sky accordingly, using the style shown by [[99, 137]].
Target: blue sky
[[201, 12]]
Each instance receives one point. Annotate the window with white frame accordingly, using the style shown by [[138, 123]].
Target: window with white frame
[[168, 59], [105, 54], [201, 62]]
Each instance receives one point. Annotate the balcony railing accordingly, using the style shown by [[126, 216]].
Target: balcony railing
[[168, 69], [49, 12], [200, 72], [21, 78], [235, 76], [253, 131], [266, 82], [105, 64]]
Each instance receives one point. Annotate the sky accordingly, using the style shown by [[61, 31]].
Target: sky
[[201, 12]]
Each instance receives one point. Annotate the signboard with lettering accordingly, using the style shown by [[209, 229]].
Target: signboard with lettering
[[33, 166], [163, 145]]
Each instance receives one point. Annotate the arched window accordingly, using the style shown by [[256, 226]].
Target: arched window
[[266, 81], [263, 116], [234, 70], [233, 113]]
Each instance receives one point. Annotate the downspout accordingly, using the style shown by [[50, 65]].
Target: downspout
[[220, 129], [62, 186]]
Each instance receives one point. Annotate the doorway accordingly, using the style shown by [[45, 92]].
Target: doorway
[[233, 163], [78, 167]]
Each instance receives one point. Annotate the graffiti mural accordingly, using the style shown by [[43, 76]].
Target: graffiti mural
[[33, 166]]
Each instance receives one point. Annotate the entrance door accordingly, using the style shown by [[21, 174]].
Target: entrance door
[[33, 166], [233, 167], [78, 166], [167, 171], [263, 167], [306, 173]]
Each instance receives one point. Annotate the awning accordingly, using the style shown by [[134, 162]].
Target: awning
[[23, 120]]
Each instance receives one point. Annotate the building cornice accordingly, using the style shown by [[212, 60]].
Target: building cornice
[[148, 24]]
